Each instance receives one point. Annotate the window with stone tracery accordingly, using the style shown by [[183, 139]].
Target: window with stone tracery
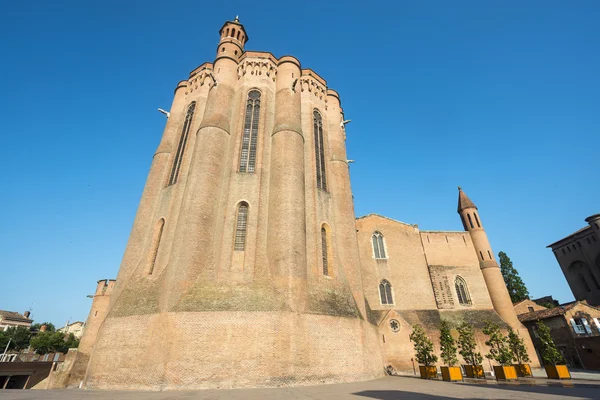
[[319, 150], [182, 143], [240, 227], [250, 134], [378, 246], [385, 292], [462, 291]]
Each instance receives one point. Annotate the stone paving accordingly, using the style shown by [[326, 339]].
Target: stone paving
[[388, 388]]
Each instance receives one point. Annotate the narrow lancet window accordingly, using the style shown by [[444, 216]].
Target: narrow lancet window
[[462, 291], [250, 134], [319, 151], [240, 227], [182, 143], [477, 220], [378, 246], [470, 221], [324, 251], [154, 246], [385, 292]]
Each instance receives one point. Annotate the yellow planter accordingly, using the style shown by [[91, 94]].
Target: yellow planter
[[557, 371], [428, 372], [505, 372], [474, 371], [451, 374], [523, 370]]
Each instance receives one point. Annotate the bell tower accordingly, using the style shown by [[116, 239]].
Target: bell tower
[[490, 269]]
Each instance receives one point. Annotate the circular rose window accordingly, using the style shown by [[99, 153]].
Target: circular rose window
[[394, 325]]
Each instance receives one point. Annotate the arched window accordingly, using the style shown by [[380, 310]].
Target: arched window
[[238, 35], [240, 227], [462, 291], [233, 32], [182, 142], [378, 246], [477, 220], [250, 134], [584, 282], [155, 244], [385, 292], [319, 151], [470, 221], [227, 32], [324, 251]]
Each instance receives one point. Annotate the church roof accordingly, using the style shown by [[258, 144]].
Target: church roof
[[464, 201]]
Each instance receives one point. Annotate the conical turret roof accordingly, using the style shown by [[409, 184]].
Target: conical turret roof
[[464, 201]]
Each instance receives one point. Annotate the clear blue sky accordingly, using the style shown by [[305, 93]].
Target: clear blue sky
[[500, 97]]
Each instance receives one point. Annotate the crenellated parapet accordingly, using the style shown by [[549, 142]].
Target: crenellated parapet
[[257, 67], [199, 77]]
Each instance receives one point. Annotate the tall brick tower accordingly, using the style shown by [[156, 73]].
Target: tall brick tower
[[242, 267], [490, 269]]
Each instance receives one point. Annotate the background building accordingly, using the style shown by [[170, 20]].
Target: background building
[[579, 258], [575, 329], [10, 319]]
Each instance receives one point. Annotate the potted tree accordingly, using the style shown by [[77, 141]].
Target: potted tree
[[467, 349], [553, 360], [519, 350], [500, 352], [448, 354], [424, 353]]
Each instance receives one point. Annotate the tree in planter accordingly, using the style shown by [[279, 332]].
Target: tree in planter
[[550, 354], [515, 285], [467, 344], [517, 346], [500, 351], [447, 345], [423, 347]]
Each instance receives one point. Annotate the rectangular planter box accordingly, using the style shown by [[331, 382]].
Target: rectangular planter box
[[557, 371], [474, 371], [428, 372], [451, 374], [505, 372], [523, 370]]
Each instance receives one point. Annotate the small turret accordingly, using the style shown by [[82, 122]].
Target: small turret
[[494, 281], [233, 39]]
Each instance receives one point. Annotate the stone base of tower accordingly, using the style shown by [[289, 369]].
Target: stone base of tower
[[201, 350]]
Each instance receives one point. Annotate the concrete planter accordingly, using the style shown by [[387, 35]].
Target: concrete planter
[[429, 372], [505, 372], [557, 371], [451, 374], [523, 370], [474, 371]]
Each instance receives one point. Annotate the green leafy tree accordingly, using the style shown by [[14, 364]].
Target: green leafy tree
[[447, 345], [517, 346], [500, 351], [468, 345], [516, 288], [423, 347], [48, 342], [18, 337], [550, 354], [71, 342]]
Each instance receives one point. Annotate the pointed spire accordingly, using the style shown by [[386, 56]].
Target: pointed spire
[[464, 201]]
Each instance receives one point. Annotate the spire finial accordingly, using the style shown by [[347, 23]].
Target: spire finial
[[237, 19], [459, 188]]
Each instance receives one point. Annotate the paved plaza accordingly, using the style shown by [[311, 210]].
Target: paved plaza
[[381, 389]]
